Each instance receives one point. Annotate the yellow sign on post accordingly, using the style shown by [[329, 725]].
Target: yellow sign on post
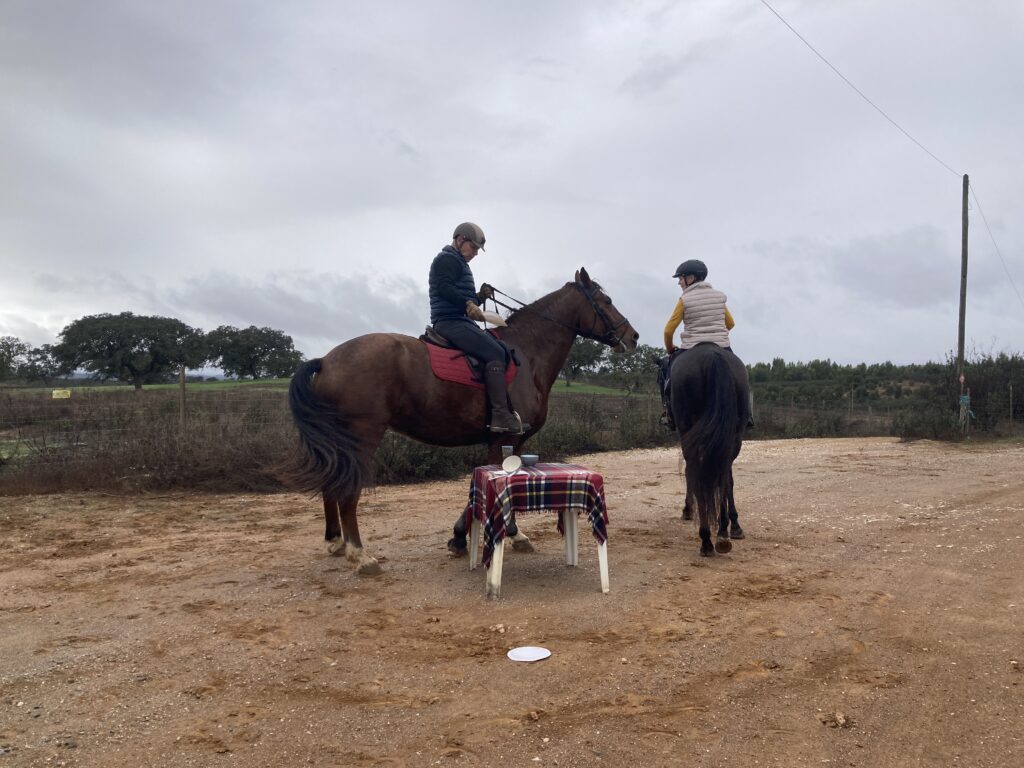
[[61, 394]]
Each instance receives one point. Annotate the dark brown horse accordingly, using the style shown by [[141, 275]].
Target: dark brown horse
[[710, 401], [343, 403]]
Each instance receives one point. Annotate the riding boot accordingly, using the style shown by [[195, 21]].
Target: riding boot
[[502, 419], [666, 419]]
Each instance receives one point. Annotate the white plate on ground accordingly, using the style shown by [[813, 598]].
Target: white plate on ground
[[528, 653]]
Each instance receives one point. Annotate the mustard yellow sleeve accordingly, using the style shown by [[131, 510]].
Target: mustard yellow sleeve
[[673, 323], [729, 322]]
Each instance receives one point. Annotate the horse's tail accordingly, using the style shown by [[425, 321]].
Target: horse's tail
[[329, 452], [710, 443]]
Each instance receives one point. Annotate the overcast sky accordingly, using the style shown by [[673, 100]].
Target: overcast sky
[[298, 165]]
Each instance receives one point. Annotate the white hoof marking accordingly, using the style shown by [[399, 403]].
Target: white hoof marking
[[336, 547]]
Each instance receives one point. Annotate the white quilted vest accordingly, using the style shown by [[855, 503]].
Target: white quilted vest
[[703, 316]]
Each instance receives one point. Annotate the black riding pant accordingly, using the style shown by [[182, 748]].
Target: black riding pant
[[472, 340]]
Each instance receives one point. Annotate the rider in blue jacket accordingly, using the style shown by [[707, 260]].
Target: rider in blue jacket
[[454, 308]]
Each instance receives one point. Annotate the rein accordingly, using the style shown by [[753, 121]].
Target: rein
[[609, 337]]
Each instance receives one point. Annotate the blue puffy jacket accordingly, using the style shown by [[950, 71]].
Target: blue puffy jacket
[[451, 286]]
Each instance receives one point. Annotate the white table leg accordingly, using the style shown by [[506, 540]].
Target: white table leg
[[570, 529], [474, 543], [494, 571], [602, 559]]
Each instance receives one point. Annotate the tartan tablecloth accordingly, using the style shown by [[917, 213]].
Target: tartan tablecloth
[[495, 497]]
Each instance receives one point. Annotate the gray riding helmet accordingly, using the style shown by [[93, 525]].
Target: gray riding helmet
[[471, 232], [694, 267]]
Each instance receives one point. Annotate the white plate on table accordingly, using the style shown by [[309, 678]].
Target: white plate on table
[[512, 464]]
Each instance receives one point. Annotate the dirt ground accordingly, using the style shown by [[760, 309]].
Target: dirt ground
[[872, 617]]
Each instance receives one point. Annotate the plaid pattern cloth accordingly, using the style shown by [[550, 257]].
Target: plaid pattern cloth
[[495, 497]]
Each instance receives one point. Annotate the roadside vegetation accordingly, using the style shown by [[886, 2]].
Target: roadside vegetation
[[110, 433]]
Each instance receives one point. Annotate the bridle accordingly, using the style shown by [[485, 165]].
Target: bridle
[[609, 337]]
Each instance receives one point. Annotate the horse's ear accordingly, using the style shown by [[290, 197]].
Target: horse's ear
[[577, 278], [582, 276]]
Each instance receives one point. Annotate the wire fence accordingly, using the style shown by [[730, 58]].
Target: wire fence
[[233, 438]]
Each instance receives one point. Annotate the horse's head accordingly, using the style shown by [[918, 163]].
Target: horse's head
[[603, 322]]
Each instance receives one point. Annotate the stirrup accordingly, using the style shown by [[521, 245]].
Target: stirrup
[[519, 430]]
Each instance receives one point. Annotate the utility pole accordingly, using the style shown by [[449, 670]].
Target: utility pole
[[181, 398], [963, 291]]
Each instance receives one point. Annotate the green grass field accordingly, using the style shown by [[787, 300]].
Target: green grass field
[[584, 389]]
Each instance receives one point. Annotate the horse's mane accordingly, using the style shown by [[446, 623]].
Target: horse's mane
[[538, 305]]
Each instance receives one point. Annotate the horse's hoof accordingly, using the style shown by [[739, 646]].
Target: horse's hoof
[[723, 545], [457, 547], [735, 532], [369, 567], [523, 544], [336, 547], [707, 552]]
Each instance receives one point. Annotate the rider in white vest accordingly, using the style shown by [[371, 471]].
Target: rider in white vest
[[701, 309], [705, 317]]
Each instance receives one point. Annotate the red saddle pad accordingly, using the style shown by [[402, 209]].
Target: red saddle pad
[[451, 365]]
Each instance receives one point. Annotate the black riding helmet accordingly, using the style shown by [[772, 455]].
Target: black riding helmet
[[694, 267]]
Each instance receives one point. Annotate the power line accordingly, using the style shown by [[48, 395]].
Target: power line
[[994, 245], [859, 92], [905, 133]]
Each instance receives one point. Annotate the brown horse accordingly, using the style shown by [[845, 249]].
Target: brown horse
[[343, 403], [710, 399]]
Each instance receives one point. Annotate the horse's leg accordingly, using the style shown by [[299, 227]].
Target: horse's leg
[[723, 517], [332, 534], [520, 542], [724, 493], [707, 549], [369, 434], [354, 552], [735, 532], [688, 501], [696, 500], [457, 543], [722, 543]]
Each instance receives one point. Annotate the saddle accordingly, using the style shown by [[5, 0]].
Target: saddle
[[452, 364]]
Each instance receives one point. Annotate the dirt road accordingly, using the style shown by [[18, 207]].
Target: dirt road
[[872, 617]]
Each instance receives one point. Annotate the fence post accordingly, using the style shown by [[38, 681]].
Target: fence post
[[181, 397]]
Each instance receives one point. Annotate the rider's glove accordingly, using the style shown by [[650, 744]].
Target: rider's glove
[[474, 312]]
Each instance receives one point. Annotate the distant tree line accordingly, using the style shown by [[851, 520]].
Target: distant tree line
[[147, 349], [927, 395], [595, 363]]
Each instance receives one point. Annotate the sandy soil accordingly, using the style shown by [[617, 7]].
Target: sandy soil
[[872, 617]]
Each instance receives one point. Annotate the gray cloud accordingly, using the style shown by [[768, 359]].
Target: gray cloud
[[299, 166]]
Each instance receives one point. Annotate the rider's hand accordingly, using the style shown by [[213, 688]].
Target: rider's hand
[[474, 312], [486, 292]]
